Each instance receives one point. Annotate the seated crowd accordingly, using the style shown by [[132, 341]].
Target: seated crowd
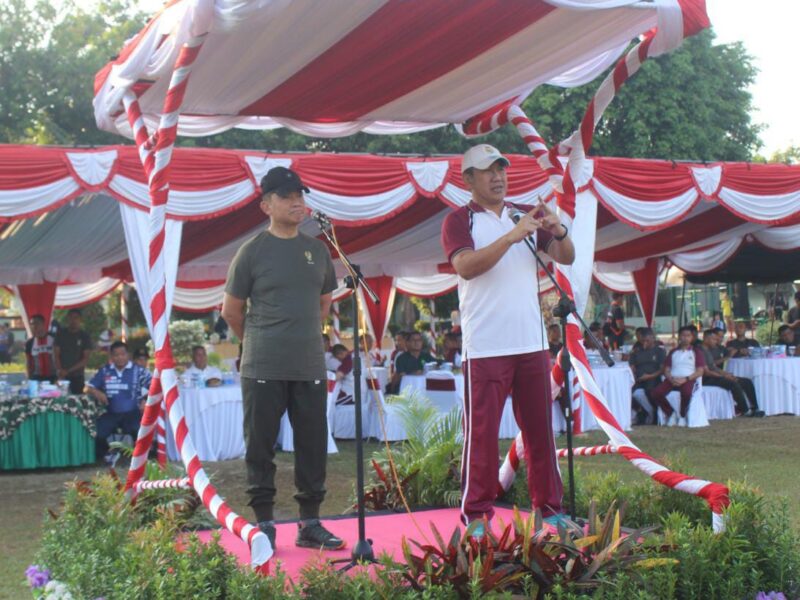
[[411, 353], [657, 373]]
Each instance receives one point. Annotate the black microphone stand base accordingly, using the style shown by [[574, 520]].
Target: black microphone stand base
[[362, 551]]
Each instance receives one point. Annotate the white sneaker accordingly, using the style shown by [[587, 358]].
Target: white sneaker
[[672, 420], [682, 422]]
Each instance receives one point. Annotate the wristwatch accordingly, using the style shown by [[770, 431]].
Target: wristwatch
[[559, 238]]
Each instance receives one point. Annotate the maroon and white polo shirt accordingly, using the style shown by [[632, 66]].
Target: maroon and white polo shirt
[[500, 312]]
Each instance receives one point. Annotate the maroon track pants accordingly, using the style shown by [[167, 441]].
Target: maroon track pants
[[487, 383], [658, 395]]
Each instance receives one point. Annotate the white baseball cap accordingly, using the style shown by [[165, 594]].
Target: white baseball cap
[[481, 157]]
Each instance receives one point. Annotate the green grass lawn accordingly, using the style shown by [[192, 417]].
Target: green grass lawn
[[765, 452]]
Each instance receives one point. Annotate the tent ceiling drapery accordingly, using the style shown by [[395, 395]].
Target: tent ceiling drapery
[[388, 209], [336, 77]]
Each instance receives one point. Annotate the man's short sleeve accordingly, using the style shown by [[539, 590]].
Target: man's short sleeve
[[98, 381], [240, 276], [86, 340], [456, 235], [346, 365], [699, 359], [330, 274]]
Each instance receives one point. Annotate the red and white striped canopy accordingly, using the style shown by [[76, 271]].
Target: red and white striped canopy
[[67, 214], [337, 67]]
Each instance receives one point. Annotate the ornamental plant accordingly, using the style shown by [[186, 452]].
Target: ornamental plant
[[523, 557], [426, 463]]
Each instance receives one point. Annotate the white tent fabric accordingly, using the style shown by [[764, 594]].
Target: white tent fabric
[[137, 238], [564, 43], [71, 295]]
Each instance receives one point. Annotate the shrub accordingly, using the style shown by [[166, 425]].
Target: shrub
[[102, 546], [762, 333], [427, 462], [184, 335]]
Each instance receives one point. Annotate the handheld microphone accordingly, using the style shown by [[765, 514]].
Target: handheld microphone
[[516, 215], [322, 219]]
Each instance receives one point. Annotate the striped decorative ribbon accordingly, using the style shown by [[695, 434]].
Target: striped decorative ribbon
[[155, 152]]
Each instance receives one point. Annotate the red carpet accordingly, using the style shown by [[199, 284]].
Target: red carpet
[[386, 532]]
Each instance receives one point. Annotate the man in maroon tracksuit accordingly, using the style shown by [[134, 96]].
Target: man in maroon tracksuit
[[504, 341], [685, 364]]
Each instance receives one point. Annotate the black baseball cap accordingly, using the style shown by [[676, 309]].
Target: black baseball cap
[[282, 181]]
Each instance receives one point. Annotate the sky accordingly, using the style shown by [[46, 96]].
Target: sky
[[767, 28]]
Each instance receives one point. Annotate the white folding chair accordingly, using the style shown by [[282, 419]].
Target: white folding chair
[[719, 402], [696, 415]]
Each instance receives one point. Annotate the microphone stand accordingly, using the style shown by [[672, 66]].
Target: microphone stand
[[563, 309], [362, 551]]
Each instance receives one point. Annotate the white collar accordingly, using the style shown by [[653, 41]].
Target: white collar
[[125, 368]]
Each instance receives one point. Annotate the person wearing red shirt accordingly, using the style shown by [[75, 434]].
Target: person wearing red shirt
[[39, 351]]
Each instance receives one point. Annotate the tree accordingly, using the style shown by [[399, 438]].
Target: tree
[[48, 60], [789, 156]]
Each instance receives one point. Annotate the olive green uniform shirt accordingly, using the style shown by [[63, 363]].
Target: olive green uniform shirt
[[282, 280]]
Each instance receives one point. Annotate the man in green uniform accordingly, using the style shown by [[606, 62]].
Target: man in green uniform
[[277, 294]]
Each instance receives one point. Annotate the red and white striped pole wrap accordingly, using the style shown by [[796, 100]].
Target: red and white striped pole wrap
[[161, 436], [337, 334], [715, 494], [510, 466], [160, 484], [166, 378], [557, 381]]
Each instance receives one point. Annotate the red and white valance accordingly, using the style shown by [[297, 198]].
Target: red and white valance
[[389, 212]]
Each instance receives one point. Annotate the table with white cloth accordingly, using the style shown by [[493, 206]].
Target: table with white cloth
[[342, 421], [776, 381], [615, 383], [214, 416]]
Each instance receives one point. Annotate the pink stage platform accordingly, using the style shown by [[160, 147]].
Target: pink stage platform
[[385, 530]]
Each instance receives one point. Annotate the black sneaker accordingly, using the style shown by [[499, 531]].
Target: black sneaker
[[311, 534], [268, 529], [758, 413]]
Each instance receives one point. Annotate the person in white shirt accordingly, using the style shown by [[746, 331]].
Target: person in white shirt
[[200, 369], [685, 364], [504, 343]]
